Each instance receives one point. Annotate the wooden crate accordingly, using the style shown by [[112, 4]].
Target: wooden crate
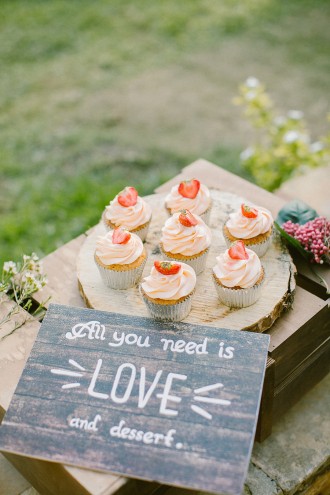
[[298, 354]]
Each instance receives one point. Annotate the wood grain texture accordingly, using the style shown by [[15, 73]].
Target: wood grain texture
[[15, 348], [298, 333], [60, 267], [11, 482], [309, 276], [209, 452], [301, 379], [276, 295], [51, 478], [265, 419]]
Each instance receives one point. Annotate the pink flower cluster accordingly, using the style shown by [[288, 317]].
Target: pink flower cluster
[[314, 236]]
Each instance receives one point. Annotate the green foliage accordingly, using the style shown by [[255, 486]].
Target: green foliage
[[18, 282], [64, 148], [284, 147]]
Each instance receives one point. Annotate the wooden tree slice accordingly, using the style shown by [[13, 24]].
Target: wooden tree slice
[[206, 308]]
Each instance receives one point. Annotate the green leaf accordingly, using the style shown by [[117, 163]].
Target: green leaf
[[297, 211], [294, 243]]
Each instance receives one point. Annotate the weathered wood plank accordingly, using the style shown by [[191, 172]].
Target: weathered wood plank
[[315, 367], [298, 333], [14, 352], [60, 267], [75, 373], [309, 276], [265, 419], [11, 482], [51, 478]]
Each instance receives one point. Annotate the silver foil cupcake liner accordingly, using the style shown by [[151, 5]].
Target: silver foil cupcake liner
[[260, 248], [141, 232], [198, 263], [238, 298], [121, 279], [168, 312]]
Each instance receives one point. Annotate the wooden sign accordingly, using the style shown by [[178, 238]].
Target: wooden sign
[[174, 403]]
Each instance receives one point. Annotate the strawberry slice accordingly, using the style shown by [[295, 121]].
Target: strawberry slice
[[187, 219], [120, 236], [128, 197], [249, 211], [189, 188], [167, 267], [237, 251]]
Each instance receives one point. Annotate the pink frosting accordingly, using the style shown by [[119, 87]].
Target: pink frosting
[[159, 286], [246, 228], [238, 273], [175, 202], [130, 217], [121, 254], [176, 238]]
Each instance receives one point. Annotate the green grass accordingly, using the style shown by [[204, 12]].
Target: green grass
[[64, 151]]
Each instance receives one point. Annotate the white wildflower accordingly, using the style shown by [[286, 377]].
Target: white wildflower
[[294, 136], [295, 114], [10, 267], [280, 121], [29, 277], [316, 147], [252, 82], [21, 280], [38, 285], [250, 95], [246, 154], [291, 137], [35, 257]]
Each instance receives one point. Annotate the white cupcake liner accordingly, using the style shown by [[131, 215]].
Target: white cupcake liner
[[141, 232], [260, 248], [168, 312], [121, 279], [198, 263], [238, 298]]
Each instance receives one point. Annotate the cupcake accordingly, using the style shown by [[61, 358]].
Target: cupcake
[[238, 276], [251, 224], [186, 238], [190, 195], [120, 257], [167, 291], [130, 211]]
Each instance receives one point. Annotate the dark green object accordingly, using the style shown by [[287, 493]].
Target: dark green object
[[297, 211]]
